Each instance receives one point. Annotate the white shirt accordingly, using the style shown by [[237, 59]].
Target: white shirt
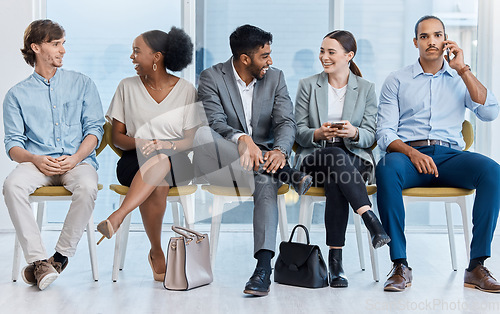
[[336, 97], [246, 93], [145, 118]]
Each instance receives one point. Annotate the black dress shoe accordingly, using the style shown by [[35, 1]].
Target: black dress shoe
[[336, 274], [377, 232], [259, 283], [303, 185]]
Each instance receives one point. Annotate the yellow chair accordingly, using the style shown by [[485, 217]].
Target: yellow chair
[[58, 193], [448, 195], [181, 194], [223, 195]]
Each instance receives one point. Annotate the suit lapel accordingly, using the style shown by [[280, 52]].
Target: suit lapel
[[351, 97], [322, 98], [234, 92]]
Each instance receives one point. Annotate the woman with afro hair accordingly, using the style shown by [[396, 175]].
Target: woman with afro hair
[[154, 119]]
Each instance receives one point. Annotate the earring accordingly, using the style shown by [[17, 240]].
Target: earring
[[154, 67]]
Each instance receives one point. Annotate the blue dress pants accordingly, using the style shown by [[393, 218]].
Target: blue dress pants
[[468, 170]]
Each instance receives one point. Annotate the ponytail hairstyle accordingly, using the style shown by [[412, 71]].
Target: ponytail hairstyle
[[175, 46], [348, 42]]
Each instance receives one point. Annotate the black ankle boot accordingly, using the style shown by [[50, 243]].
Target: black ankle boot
[[377, 232], [336, 274]]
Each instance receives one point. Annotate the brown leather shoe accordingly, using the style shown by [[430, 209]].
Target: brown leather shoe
[[400, 278], [481, 278]]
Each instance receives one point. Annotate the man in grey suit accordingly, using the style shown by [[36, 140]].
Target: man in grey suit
[[252, 127]]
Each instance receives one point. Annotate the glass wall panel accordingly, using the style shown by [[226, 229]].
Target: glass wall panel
[[99, 36]]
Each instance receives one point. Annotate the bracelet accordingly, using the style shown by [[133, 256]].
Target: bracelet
[[463, 70], [356, 135]]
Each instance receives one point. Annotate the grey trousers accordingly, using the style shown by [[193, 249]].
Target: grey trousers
[[24, 180], [217, 160]]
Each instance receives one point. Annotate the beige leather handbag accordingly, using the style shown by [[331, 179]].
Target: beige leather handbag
[[188, 260]]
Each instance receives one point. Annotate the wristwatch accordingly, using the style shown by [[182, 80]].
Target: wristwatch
[[282, 150]]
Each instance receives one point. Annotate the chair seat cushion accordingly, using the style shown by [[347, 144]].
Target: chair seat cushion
[[231, 191], [437, 192], [56, 190], [175, 191], [319, 191]]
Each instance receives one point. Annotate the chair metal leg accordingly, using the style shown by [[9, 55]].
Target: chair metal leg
[[217, 209], [92, 248], [39, 214], [451, 236], [373, 252], [175, 213], [117, 255], [374, 259], [126, 231], [17, 260], [463, 202], [120, 246], [305, 216], [187, 202], [283, 221], [359, 240]]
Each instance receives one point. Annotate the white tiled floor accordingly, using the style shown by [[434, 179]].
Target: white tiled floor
[[436, 287]]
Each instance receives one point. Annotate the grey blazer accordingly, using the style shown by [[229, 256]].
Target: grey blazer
[[311, 111], [272, 122]]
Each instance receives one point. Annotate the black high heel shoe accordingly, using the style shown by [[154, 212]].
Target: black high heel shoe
[[377, 232]]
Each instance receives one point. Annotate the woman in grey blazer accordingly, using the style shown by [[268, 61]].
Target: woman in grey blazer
[[335, 113]]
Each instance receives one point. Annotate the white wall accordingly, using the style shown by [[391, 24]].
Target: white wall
[[14, 17]]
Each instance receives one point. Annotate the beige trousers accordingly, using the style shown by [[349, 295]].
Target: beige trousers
[[24, 180]]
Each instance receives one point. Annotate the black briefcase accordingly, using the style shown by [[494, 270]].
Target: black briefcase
[[300, 264]]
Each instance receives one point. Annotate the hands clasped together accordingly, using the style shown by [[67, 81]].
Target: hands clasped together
[[51, 166]]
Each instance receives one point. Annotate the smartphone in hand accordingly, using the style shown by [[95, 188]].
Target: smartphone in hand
[[448, 54], [337, 125]]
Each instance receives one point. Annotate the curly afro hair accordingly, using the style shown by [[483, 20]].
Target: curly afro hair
[[175, 46]]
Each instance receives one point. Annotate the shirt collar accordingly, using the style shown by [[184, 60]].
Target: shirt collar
[[238, 78], [417, 69], [44, 80]]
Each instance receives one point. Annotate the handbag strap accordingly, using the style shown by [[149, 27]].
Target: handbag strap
[[305, 230], [180, 230]]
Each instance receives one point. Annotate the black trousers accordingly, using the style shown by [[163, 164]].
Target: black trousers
[[343, 176]]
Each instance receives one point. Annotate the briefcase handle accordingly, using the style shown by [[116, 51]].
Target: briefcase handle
[[180, 230], [305, 230]]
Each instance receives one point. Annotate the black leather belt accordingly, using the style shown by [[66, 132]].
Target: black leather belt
[[334, 144], [428, 143]]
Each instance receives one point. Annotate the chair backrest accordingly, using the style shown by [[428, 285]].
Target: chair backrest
[[108, 135], [468, 134], [103, 144]]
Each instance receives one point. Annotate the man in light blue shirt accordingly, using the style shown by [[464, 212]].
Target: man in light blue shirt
[[53, 123], [421, 111]]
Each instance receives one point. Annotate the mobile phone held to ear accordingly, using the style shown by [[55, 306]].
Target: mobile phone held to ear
[[448, 54]]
